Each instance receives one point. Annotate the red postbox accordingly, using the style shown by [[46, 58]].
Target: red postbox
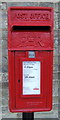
[[30, 58]]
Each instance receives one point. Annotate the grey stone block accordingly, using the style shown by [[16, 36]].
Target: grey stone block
[[46, 4], [51, 114], [4, 19], [9, 116], [59, 50], [22, 4], [55, 88], [0, 19], [56, 5], [55, 99], [56, 14], [1, 77], [59, 60], [59, 113], [56, 51], [59, 67], [5, 52], [0, 67], [55, 76], [56, 21], [55, 60], [59, 91], [4, 68], [55, 67], [55, 107], [4, 14], [56, 42], [5, 101], [59, 26], [59, 75], [4, 24], [59, 6], [0, 92], [59, 41], [4, 35], [56, 27], [4, 84], [4, 45], [55, 34], [59, 15], [3, 5], [0, 84], [4, 110], [0, 5], [59, 37], [5, 93], [4, 64], [5, 77]]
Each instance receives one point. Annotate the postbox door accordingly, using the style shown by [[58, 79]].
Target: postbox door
[[42, 99]]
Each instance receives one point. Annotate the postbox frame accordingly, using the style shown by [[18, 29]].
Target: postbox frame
[[11, 60]]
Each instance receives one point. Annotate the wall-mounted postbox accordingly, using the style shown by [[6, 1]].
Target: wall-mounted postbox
[[30, 54]]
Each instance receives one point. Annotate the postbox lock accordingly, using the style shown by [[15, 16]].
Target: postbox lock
[[18, 81]]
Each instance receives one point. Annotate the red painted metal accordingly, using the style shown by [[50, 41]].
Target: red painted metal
[[30, 28]]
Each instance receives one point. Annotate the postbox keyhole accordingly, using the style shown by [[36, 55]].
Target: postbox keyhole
[[18, 81]]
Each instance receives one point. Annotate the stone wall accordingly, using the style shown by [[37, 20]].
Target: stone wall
[[4, 66], [59, 55]]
